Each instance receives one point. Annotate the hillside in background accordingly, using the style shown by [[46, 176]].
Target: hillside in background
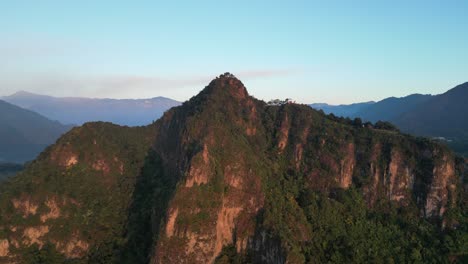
[[226, 178], [444, 115], [342, 110], [391, 108], [24, 134], [386, 110], [8, 170], [78, 110]]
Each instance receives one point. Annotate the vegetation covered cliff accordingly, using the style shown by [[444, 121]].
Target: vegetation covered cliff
[[226, 178]]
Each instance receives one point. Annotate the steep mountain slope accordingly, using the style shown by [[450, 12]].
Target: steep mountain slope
[[23, 133], [443, 115], [76, 110], [342, 110], [226, 178]]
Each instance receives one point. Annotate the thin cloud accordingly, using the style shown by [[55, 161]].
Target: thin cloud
[[117, 84], [123, 86], [257, 74], [120, 85]]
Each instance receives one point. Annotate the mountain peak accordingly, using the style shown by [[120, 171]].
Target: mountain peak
[[25, 94], [22, 93], [227, 82]]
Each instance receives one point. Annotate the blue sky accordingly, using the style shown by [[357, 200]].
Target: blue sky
[[311, 51]]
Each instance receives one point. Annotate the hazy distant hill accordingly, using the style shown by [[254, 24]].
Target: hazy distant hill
[[391, 108], [342, 110], [23, 133], [77, 110], [9, 169], [443, 115], [387, 109]]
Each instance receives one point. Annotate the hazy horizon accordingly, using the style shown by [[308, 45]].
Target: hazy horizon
[[16, 93], [335, 53]]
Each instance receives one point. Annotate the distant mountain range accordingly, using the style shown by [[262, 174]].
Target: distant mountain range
[[342, 110], [444, 115], [440, 115], [392, 108], [387, 109], [79, 110], [24, 133], [31, 122]]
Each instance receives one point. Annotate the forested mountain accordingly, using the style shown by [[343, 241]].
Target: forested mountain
[[24, 134], [226, 178], [79, 110]]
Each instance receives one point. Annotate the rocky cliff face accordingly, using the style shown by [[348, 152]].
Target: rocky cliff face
[[223, 172]]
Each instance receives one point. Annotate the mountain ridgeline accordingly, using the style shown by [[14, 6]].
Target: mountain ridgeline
[[24, 134], [439, 116], [226, 178], [388, 109], [350, 110], [442, 115], [79, 110]]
